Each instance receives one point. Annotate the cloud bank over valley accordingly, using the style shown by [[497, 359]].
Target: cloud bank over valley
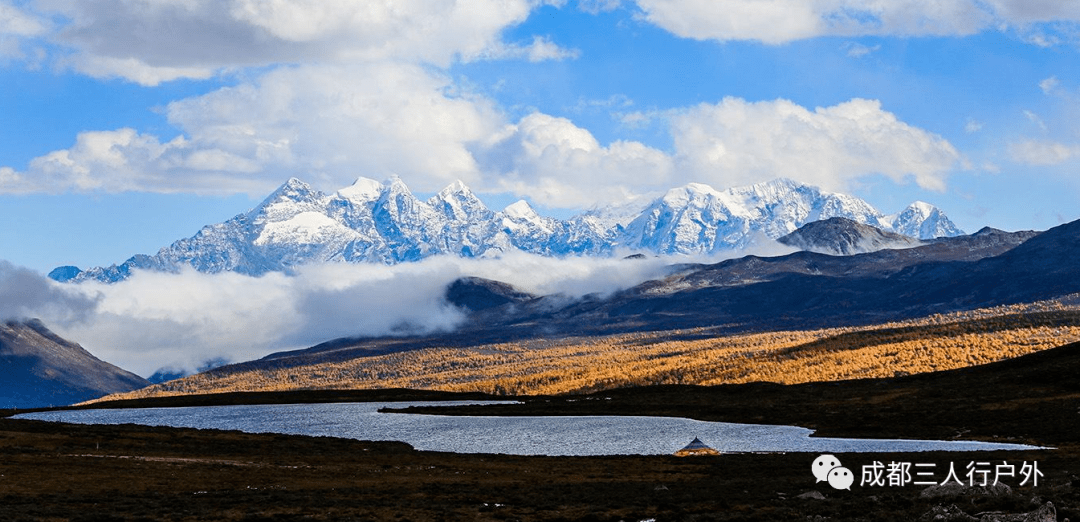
[[158, 320]]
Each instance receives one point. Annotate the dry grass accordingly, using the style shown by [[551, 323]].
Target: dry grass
[[575, 365]]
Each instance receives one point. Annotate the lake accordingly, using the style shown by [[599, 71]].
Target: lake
[[586, 435]]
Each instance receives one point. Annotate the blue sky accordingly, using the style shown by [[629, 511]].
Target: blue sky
[[128, 124]]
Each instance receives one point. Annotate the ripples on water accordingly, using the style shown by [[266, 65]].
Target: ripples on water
[[594, 435]]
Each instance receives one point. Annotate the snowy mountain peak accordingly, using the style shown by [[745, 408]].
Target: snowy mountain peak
[[296, 184], [292, 190], [363, 189], [457, 187], [289, 199], [921, 208], [680, 196], [385, 223], [520, 210], [772, 189], [923, 221], [698, 188], [458, 203], [394, 184]]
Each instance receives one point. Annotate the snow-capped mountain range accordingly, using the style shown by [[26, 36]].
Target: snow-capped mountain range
[[384, 222]]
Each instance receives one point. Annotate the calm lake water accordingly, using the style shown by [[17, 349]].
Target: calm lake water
[[509, 435]]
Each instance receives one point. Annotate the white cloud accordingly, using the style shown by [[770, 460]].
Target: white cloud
[[326, 123], [1049, 85], [159, 320], [1031, 11], [858, 50], [17, 28], [329, 124], [736, 142], [598, 6], [540, 50], [17, 22], [373, 119], [781, 21], [152, 42], [1042, 152], [1034, 118], [29, 295], [559, 164], [134, 69], [733, 142]]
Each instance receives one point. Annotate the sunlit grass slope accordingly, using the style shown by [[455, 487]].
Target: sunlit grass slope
[[698, 356]]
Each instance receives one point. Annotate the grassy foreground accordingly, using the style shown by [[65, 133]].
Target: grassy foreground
[[66, 472]]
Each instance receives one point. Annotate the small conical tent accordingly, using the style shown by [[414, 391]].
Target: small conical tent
[[696, 448]]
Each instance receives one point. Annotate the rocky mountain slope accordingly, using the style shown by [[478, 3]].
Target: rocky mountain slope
[[842, 236], [989, 268], [42, 369], [385, 223]]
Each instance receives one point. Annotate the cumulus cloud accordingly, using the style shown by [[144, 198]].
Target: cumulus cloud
[[559, 164], [781, 21], [331, 123], [327, 123], [736, 142], [163, 40], [372, 100]]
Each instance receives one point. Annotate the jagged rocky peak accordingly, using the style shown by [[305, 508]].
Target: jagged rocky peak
[[924, 221], [457, 202], [292, 190], [842, 236], [383, 222], [458, 187], [64, 274], [398, 199], [395, 186], [288, 200]]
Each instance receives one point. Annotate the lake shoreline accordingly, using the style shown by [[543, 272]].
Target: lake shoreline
[[128, 472], [589, 435]]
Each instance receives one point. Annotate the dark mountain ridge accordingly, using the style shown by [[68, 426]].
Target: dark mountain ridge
[[42, 369], [843, 236], [816, 289]]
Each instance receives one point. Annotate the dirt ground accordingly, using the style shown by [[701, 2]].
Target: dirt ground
[[51, 471]]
